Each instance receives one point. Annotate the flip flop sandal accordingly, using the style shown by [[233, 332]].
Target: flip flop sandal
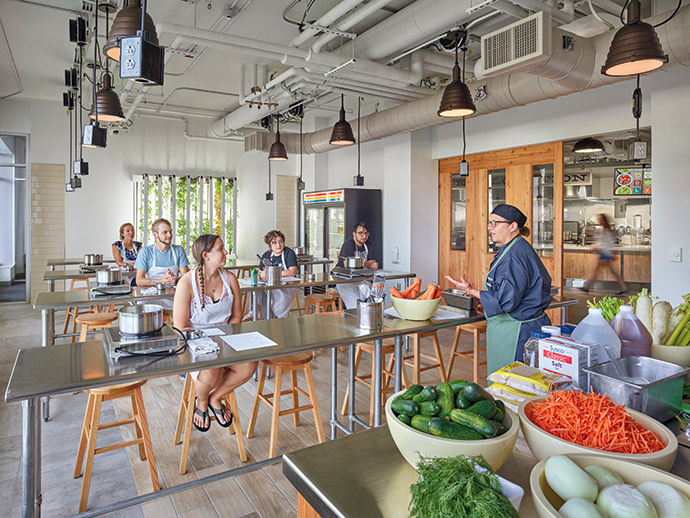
[[204, 416], [221, 412]]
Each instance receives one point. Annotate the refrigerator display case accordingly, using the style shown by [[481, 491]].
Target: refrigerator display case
[[330, 215]]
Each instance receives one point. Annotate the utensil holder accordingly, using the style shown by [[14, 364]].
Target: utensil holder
[[273, 275], [369, 315]]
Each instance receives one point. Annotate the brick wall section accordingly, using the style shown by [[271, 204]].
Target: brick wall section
[[47, 222]]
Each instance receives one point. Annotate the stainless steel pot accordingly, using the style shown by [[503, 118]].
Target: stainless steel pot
[[300, 250], [140, 320], [109, 276], [273, 275], [93, 259], [354, 262]]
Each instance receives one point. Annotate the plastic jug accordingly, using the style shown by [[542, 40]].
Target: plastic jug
[[635, 339], [594, 329]]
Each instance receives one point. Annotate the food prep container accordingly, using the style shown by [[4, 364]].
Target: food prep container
[[93, 259], [109, 276], [273, 275], [659, 399], [140, 320], [369, 315], [459, 299], [354, 262]]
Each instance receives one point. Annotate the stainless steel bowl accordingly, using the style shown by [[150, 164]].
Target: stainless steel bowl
[[109, 276], [140, 320], [93, 259], [354, 262], [300, 250]]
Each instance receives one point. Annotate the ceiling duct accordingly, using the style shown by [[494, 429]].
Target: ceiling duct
[[525, 43]]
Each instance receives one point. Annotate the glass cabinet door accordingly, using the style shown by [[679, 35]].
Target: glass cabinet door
[[336, 231], [458, 223], [497, 195], [542, 209]]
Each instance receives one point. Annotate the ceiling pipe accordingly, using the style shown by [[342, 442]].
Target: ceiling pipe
[[566, 15], [356, 87], [509, 90], [327, 19], [350, 21], [185, 130]]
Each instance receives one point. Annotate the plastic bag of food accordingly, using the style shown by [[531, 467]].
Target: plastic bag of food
[[529, 379]]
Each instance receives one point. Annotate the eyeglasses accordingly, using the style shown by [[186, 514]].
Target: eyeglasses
[[365, 233], [492, 224]]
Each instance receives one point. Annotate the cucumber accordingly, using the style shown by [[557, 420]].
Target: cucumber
[[450, 430], [404, 418], [429, 408], [446, 403], [403, 406], [462, 402], [501, 405], [500, 414], [500, 427], [421, 423], [484, 408], [444, 389], [412, 391], [474, 393], [474, 422], [428, 394], [457, 385]]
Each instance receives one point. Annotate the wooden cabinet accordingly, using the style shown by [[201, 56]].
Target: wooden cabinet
[[636, 266]]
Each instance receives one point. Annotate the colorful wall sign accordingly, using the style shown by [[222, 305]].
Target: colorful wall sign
[[632, 182], [324, 197]]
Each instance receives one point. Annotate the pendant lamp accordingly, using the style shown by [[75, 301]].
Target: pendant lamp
[[127, 22], [635, 48], [94, 135], [107, 101], [588, 145], [342, 131], [457, 99], [277, 151]]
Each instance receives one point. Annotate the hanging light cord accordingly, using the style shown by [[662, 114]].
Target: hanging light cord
[[269, 176], [359, 110], [300, 148], [464, 139], [95, 58], [81, 108]]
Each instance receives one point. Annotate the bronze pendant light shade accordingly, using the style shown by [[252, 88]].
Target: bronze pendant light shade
[[277, 151], [342, 131], [108, 103], [635, 48], [127, 22], [588, 145], [457, 99]]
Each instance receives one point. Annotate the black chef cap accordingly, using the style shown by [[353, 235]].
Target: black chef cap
[[512, 214]]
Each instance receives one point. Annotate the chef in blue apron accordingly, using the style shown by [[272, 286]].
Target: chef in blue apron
[[517, 289], [356, 247], [278, 255]]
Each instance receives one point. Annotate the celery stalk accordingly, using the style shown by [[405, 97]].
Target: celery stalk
[[671, 340], [686, 339]]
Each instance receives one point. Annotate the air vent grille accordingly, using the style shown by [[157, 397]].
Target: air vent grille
[[520, 45]]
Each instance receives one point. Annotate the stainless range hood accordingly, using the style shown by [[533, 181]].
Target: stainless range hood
[[577, 191]]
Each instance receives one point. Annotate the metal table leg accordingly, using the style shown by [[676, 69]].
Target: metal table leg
[[398, 363], [254, 304], [268, 305], [51, 285], [31, 453], [564, 315], [48, 339], [378, 363], [334, 390]]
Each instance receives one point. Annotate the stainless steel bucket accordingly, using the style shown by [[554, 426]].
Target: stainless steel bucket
[[369, 315], [300, 250], [140, 320], [354, 262], [273, 275], [109, 276], [93, 259]]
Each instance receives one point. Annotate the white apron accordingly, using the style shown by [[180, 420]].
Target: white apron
[[281, 299], [350, 292], [157, 272]]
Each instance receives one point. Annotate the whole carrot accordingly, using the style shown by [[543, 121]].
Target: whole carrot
[[396, 293]]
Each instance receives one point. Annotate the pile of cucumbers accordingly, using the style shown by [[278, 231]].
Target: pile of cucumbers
[[457, 409]]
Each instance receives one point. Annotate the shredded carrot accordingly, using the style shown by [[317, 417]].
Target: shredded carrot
[[593, 420]]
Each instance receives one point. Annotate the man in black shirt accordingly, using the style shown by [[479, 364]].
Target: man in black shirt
[[356, 247]]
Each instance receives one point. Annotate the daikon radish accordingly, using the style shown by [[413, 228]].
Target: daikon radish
[[624, 501], [643, 309], [674, 319], [568, 480], [604, 476], [660, 317], [667, 500], [581, 508]]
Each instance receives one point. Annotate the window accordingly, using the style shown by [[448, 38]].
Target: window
[[497, 196], [542, 209], [458, 224], [194, 205]]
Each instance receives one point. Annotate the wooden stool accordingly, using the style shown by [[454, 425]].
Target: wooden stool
[[186, 414], [476, 328], [280, 366], [388, 375], [89, 433], [417, 355], [91, 321], [337, 298], [73, 311], [321, 303], [241, 274], [299, 308]]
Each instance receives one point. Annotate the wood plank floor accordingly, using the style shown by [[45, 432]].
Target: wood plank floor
[[120, 474]]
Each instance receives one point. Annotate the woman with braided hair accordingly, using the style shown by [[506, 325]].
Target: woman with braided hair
[[208, 295]]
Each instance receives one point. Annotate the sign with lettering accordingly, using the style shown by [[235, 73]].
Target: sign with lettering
[[631, 182], [571, 178]]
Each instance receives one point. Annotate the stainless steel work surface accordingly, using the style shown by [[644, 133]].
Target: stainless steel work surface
[[323, 279], [359, 475], [62, 275], [81, 298], [78, 366], [75, 261]]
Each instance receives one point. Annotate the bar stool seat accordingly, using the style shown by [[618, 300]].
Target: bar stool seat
[[91, 426], [186, 414], [387, 375], [476, 328], [322, 302], [94, 321], [282, 365], [73, 312], [337, 298], [417, 355]]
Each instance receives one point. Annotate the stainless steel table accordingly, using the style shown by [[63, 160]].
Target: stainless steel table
[[75, 261]]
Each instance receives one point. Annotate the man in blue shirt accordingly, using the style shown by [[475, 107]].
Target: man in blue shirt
[[162, 261]]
